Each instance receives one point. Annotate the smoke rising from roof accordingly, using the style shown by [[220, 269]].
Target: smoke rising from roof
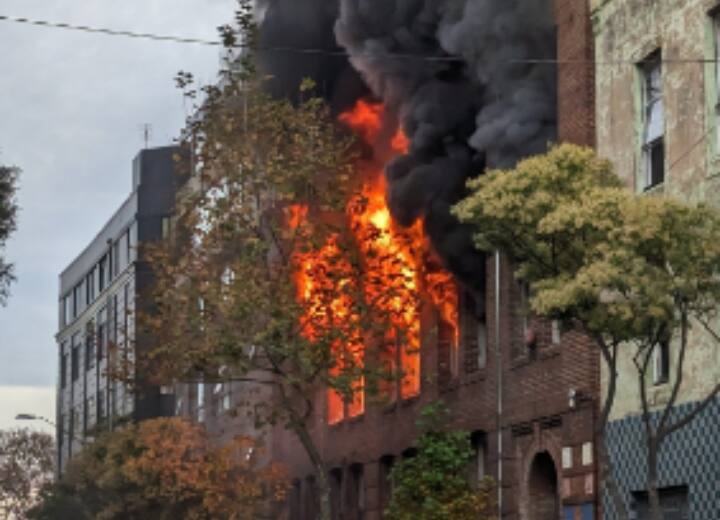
[[306, 24], [484, 109]]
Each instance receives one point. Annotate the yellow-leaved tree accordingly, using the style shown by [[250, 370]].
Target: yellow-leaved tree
[[631, 271]]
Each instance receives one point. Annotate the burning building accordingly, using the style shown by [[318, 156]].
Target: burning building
[[439, 91]]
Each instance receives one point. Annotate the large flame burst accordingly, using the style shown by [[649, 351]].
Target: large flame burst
[[394, 264]]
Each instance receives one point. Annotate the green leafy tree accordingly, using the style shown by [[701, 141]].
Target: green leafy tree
[[26, 465], [262, 279], [632, 272], [8, 214], [165, 468], [435, 483]]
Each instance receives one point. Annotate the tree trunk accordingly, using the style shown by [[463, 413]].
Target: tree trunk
[[653, 496], [323, 482]]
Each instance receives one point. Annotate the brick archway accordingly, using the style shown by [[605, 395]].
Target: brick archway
[[543, 499], [546, 445]]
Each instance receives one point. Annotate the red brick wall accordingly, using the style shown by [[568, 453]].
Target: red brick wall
[[535, 386]]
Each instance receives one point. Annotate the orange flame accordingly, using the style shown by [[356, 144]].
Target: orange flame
[[393, 260]]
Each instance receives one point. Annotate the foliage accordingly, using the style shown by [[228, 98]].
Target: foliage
[[8, 214], [26, 464], [435, 483], [631, 271], [262, 278], [164, 468]]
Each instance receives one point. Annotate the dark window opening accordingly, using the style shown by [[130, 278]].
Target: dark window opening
[[673, 503]]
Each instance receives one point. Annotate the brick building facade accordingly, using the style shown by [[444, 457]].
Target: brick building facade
[[545, 450]]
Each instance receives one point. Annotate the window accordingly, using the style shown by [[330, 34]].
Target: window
[[128, 247], [661, 363], [200, 402], [555, 332], [66, 310], [386, 485], [478, 466], [63, 364], [473, 329], [115, 258], [166, 227], [673, 502], [75, 357], [90, 287], [90, 345], [653, 147], [101, 334], [100, 406], [103, 274]]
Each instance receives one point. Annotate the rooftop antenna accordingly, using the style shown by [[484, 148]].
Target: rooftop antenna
[[147, 134]]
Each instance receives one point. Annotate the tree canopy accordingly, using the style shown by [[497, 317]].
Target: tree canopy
[[633, 271], [165, 468], [26, 464], [436, 483], [8, 222]]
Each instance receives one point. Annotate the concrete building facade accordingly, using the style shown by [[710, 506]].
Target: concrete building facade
[[100, 293], [531, 408], [657, 84]]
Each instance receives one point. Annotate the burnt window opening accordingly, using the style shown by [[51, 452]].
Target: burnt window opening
[[653, 119], [473, 330], [661, 362]]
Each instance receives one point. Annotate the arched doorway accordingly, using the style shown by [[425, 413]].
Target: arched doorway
[[543, 488]]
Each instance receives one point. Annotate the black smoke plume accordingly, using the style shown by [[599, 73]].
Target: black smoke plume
[[306, 24], [472, 82]]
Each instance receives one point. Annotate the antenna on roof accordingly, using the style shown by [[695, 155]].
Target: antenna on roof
[[147, 134]]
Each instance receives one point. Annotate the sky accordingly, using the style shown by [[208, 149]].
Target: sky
[[72, 110]]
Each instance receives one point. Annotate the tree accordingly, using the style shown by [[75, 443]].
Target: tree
[[263, 279], [632, 272], [435, 483], [165, 468], [8, 214], [26, 464]]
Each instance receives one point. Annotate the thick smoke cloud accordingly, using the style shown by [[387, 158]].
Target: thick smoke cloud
[[486, 108], [306, 24], [480, 109]]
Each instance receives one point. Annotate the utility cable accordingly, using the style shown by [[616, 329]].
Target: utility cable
[[321, 51]]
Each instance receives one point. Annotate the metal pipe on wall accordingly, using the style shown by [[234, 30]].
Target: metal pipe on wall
[[498, 360]]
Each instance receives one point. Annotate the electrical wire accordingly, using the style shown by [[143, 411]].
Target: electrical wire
[[320, 51]]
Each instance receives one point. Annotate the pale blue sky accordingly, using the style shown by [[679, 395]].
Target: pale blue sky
[[72, 106]]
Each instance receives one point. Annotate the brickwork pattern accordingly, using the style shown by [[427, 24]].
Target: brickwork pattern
[[537, 416]]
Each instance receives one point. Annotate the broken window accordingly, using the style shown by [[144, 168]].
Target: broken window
[[653, 149]]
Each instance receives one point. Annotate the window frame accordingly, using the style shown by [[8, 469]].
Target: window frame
[[652, 106]]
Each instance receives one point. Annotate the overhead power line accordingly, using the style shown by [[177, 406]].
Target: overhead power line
[[320, 51]]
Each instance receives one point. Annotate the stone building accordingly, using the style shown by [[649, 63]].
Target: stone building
[[100, 292], [531, 408], [657, 84]]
